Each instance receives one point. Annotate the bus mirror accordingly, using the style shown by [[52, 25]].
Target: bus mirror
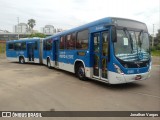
[[114, 34]]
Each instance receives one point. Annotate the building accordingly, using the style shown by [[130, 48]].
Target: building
[[4, 31], [59, 30], [21, 28], [48, 29], [23, 31]]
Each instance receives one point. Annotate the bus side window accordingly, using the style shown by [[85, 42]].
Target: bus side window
[[49, 44], [73, 40], [17, 46], [62, 43], [70, 41], [10, 46], [82, 40], [23, 46]]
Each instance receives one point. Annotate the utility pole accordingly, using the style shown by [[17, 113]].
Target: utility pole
[[159, 14], [18, 27], [153, 37]]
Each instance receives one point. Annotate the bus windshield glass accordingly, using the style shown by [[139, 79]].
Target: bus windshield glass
[[132, 45]]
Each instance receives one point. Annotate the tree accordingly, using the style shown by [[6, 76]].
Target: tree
[[31, 24], [157, 40], [41, 35], [158, 36]]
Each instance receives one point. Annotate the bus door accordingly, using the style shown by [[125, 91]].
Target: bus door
[[100, 54], [56, 52], [30, 49]]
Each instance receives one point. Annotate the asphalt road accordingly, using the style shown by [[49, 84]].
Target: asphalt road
[[32, 87]]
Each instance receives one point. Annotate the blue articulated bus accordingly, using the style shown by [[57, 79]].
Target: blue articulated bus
[[25, 50], [112, 50]]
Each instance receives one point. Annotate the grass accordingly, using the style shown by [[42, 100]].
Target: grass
[[2, 48], [155, 53]]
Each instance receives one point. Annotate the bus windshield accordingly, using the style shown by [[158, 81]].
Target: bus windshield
[[132, 46]]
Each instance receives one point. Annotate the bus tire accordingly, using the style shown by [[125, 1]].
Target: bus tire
[[48, 63], [21, 60], [80, 72]]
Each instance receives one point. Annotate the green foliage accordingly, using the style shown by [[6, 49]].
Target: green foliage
[[158, 46], [41, 35], [155, 53], [153, 48], [2, 48], [31, 24], [156, 41]]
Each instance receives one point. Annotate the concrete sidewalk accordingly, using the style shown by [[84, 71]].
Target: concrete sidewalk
[[2, 55]]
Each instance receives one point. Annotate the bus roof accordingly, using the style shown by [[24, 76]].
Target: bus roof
[[24, 39], [108, 20], [97, 22]]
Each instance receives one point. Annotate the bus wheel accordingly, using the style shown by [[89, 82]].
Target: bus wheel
[[80, 72], [21, 60], [48, 63]]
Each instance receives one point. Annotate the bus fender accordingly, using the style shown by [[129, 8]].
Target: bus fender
[[78, 60]]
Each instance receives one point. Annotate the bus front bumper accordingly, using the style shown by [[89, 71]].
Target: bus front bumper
[[115, 78]]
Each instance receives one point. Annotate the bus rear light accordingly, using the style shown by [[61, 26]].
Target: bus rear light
[[118, 70]]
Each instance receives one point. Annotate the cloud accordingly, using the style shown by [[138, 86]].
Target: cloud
[[71, 13]]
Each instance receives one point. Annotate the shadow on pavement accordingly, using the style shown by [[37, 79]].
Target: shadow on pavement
[[125, 86]]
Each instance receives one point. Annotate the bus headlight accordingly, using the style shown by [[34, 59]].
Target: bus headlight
[[150, 66], [118, 70]]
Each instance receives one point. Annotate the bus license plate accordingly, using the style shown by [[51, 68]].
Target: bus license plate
[[138, 77]]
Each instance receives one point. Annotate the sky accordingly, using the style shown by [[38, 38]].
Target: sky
[[68, 14]]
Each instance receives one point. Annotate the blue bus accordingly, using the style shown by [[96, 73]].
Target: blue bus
[[111, 50], [25, 50]]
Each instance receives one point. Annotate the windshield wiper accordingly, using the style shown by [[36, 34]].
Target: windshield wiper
[[129, 37]]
